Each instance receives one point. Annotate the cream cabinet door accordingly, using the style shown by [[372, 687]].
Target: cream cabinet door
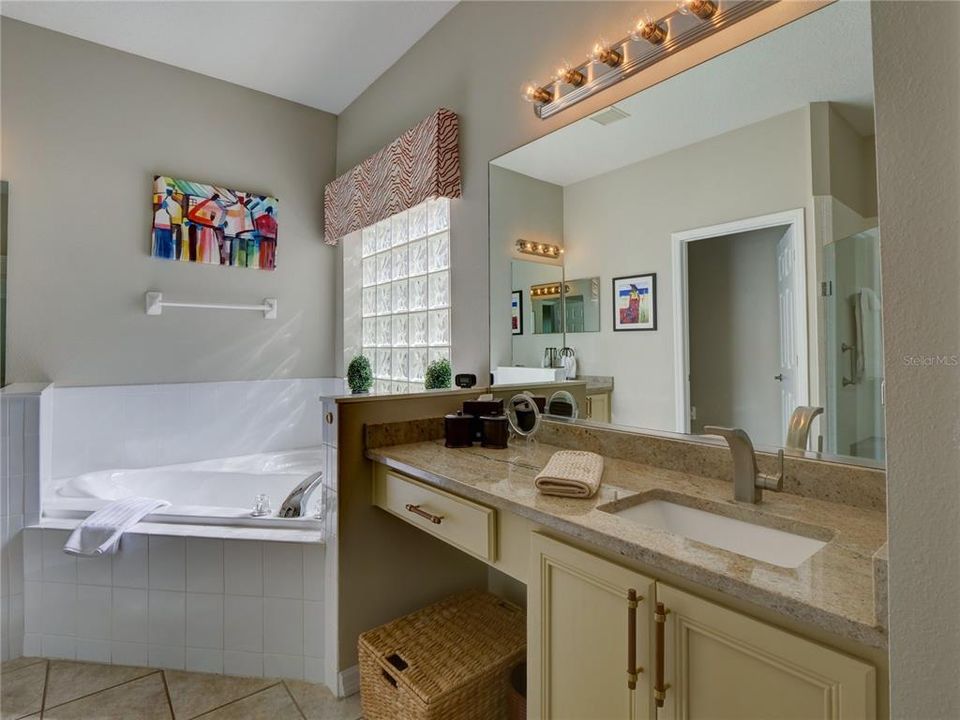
[[578, 619], [722, 665]]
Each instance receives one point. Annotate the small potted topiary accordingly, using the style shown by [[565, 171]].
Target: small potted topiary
[[359, 375], [438, 375]]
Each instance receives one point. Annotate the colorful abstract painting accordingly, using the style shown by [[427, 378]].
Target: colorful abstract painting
[[207, 224], [635, 302]]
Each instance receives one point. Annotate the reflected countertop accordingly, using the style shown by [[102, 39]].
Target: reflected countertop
[[832, 590]]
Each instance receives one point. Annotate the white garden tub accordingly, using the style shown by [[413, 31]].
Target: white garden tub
[[207, 492]]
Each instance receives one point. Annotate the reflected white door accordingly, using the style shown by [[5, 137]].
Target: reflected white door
[[789, 294]]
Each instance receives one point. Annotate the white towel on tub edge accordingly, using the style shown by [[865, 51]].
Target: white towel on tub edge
[[100, 532]]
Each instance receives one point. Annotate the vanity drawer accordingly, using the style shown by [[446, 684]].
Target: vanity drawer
[[462, 523]]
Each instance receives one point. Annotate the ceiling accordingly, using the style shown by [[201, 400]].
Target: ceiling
[[321, 54], [824, 56]]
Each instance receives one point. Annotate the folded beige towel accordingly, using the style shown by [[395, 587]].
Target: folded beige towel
[[571, 473]]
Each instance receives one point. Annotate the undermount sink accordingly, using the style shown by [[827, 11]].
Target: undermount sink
[[777, 547]]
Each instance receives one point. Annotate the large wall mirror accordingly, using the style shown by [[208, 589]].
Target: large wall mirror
[[720, 246]]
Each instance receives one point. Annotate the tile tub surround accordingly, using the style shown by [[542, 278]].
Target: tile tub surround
[[64, 689], [134, 426], [234, 607], [20, 430], [833, 590]]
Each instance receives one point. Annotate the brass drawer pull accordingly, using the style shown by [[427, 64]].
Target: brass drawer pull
[[659, 689], [415, 509], [633, 670]]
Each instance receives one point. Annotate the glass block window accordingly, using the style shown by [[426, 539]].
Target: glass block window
[[405, 295]]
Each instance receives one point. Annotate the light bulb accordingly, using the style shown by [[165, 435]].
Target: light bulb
[[569, 75], [646, 28], [603, 53], [533, 92], [703, 9]]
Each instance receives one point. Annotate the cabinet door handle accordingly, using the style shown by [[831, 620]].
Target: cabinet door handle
[[415, 509], [633, 670], [660, 620]]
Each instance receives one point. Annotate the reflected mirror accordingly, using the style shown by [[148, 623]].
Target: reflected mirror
[[720, 258], [562, 404]]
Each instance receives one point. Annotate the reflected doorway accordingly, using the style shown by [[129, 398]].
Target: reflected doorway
[[741, 334]]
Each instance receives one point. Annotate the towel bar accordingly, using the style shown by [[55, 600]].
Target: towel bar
[[155, 305]]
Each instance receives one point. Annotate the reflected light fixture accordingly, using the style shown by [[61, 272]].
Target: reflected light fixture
[[602, 52], [547, 290], [646, 28], [648, 41], [703, 9], [546, 250]]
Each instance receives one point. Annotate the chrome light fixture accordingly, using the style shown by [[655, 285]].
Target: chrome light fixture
[[648, 41], [646, 28], [603, 52], [569, 75], [532, 92], [703, 9]]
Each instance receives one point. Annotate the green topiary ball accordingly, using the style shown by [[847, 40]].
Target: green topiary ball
[[438, 375], [359, 374]]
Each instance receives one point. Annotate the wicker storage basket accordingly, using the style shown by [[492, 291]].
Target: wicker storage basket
[[448, 661]]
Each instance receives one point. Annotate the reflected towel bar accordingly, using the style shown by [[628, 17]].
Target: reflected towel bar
[[155, 305]]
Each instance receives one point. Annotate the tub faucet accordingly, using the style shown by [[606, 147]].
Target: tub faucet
[[296, 503], [748, 482]]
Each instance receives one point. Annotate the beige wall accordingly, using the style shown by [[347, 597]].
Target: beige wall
[[620, 223], [917, 77], [734, 329], [474, 62], [85, 128], [520, 207]]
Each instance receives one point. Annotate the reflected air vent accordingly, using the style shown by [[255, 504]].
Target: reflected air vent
[[609, 116]]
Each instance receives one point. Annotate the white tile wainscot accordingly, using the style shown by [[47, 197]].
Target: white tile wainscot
[[21, 407], [236, 607]]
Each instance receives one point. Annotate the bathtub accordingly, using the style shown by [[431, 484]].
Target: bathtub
[[208, 492]]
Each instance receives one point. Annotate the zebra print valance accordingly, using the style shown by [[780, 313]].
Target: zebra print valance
[[423, 162]]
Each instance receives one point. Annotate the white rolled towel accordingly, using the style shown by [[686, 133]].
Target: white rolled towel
[[100, 532], [571, 473]]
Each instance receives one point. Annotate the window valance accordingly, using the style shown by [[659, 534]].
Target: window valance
[[423, 162]]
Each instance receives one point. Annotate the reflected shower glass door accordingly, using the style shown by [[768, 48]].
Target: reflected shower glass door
[[854, 336]]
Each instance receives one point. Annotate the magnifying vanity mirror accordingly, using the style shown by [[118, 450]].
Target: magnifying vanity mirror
[[719, 248], [523, 415]]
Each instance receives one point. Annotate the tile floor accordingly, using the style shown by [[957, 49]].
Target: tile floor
[[36, 688]]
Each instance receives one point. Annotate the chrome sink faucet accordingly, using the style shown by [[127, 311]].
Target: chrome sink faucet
[[296, 503], [748, 482]]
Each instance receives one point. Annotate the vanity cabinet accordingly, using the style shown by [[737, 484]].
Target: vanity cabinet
[[582, 613], [703, 661], [721, 664], [464, 524]]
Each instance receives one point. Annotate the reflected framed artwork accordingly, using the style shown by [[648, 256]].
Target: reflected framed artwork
[[516, 312], [193, 222], [635, 302]]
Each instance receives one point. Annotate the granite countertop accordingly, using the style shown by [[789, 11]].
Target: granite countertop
[[833, 590], [597, 384]]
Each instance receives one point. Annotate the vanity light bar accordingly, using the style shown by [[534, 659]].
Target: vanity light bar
[[547, 290], [648, 42], [542, 249]]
